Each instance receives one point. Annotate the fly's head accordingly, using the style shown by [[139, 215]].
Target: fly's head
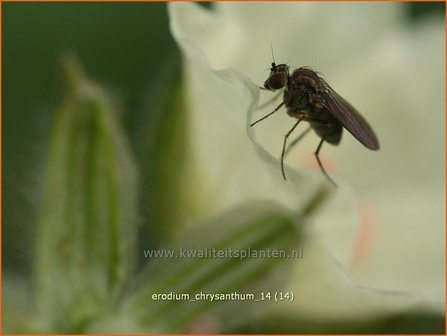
[[279, 75]]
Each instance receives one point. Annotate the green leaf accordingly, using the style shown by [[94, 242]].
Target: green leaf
[[161, 139], [408, 322], [19, 315], [86, 229], [208, 260]]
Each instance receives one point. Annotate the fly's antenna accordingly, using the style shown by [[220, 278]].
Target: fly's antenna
[[273, 56]]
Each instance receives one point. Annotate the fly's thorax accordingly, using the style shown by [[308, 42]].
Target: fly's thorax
[[307, 77], [296, 97], [304, 90]]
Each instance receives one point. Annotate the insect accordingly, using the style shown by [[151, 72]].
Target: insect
[[308, 97]]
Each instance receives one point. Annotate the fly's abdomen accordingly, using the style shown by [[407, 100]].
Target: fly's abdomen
[[329, 132], [325, 125]]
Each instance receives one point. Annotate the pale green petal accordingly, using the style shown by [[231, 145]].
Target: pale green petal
[[239, 34], [402, 185], [226, 40], [228, 167], [406, 245]]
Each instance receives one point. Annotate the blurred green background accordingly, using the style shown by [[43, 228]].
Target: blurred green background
[[125, 46]]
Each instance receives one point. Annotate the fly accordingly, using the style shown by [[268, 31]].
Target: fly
[[308, 97]]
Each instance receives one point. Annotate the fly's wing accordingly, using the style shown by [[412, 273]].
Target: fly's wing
[[348, 116]]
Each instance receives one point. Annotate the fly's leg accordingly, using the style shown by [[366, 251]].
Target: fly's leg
[[321, 165], [268, 115], [285, 142], [317, 151]]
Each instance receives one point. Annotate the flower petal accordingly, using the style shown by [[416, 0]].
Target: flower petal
[[226, 40], [227, 167]]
